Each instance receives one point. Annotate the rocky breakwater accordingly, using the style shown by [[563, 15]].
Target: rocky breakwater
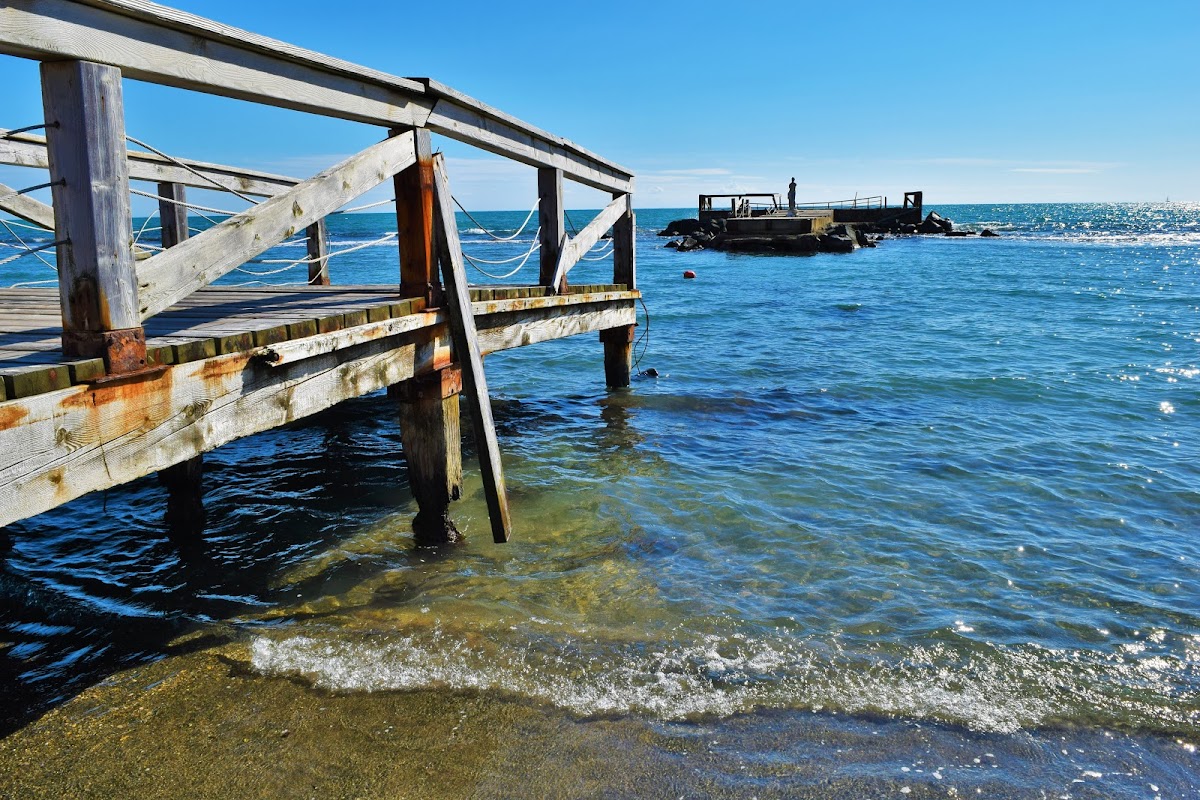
[[692, 234]]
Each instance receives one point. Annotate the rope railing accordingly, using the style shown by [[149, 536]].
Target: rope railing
[[28, 251], [297, 262], [193, 206], [24, 246], [481, 226], [196, 172]]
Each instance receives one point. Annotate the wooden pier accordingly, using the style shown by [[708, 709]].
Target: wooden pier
[[135, 363]]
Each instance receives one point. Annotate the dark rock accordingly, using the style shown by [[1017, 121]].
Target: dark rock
[[909, 228], [681, 227], [960, 233], [861, 239], [672, 245], [836, 243], [936, 223], [689, 243], [804, 244], [988, 232], [747, 244]]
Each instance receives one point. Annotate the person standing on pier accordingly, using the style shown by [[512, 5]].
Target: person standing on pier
[[792, 198]]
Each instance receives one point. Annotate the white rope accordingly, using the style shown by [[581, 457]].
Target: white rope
[[536, 246], [29, 251], [189, 205], [489, 233], [32, 283], [364, 208], [23, 244], [604, 251], [195, 172], [514, 271], [311, 260], [186, 205], [137, 236], [20, 224]]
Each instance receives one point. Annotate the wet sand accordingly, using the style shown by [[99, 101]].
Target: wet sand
[[203, 725]]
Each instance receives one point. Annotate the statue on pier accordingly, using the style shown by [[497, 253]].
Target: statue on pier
[[792, 198]]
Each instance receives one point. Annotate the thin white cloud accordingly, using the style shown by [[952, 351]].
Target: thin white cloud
[[1057, 170], [699, 171]]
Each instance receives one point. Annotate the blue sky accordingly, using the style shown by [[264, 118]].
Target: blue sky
[[1012, 102]]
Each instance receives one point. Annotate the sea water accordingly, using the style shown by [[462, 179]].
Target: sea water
[[919, 519]]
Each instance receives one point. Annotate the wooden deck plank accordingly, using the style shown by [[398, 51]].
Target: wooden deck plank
[[220, 320]]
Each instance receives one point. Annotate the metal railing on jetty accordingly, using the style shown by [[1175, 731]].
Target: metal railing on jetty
[[131, 363], [875, 201]]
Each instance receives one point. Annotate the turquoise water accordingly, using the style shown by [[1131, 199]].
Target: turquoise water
[[943, 493]]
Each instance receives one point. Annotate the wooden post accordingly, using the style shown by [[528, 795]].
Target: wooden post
[[551, 219], [183, 481], [466, 345], [318, 254], [172, 213], [432, 437], [85, 141], [624, 239], [185, 496], [414, 220], [618, 342]]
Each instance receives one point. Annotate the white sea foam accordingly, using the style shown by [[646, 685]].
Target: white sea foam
[[1002, 689]]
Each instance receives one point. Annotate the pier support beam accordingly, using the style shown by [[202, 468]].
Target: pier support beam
[[431, 433], [618, 355], [185, 496], [318, 253], [419, 275], [551, 220], [85, 143], [183, 482], [172, 213], [618, 342]]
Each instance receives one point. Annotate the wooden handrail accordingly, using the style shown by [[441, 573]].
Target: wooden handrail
[[29, 150], [162, 45]]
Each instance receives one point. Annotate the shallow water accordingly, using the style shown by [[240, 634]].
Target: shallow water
[[924, 500]]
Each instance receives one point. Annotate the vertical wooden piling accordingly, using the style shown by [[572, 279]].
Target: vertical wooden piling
[[466, 345], [85, 141], [432, 437], [551, 221], [184, 481], [172, 213], [618, 342], [414, 220], [185, 496], [318, 253]]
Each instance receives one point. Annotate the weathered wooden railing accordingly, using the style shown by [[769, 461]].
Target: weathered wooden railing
[[109, 289]]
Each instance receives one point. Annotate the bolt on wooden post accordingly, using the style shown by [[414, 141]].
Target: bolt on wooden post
[[85, 141]]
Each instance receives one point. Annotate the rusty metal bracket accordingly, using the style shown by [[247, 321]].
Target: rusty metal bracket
[[123, 350]]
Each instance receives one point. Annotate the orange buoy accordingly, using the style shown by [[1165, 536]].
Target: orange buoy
[[687, 273]]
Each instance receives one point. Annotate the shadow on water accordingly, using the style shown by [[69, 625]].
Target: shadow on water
[[116, 579]]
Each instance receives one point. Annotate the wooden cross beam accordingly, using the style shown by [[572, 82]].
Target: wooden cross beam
[[466, 345], [576, 248], [172, 275]]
